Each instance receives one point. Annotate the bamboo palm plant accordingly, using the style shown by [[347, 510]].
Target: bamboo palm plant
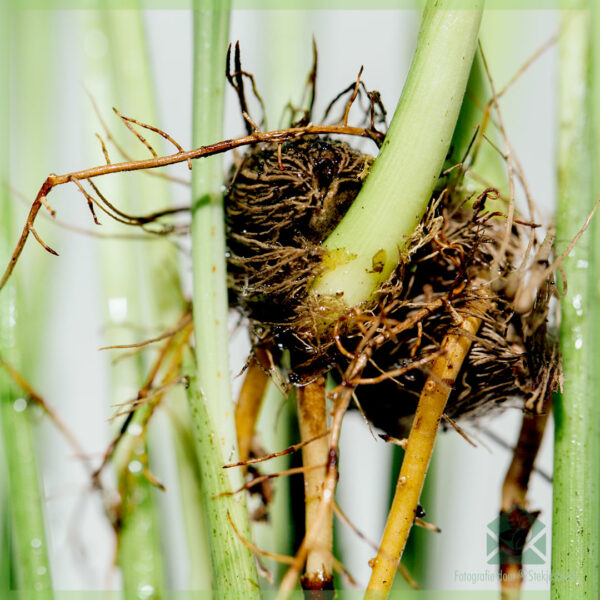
[[362, 251]]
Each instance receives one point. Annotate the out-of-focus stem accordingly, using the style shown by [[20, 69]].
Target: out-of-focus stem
[[28, 550], [575, 529], [248, 406]]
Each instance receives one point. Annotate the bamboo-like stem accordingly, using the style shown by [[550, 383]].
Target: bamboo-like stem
[[312, 418], [124, 75], [398, 189], [575, 530], [163, 299], [419, 448], [233, 567], [29, 553]]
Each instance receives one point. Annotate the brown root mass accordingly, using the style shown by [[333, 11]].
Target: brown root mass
[[281, 204], [513, 356]]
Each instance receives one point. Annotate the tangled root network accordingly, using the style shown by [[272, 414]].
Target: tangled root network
[[283, 201]]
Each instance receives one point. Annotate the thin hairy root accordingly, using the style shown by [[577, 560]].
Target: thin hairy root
[[392, 440], [459, 430], [187, 318], [515, 519], [428, 526], [288, 450], [533, 58], [312, 418], [111, 138], [171, 159], [421, 440], [174, 345], [249, 402], [160, 132], [261, 478]]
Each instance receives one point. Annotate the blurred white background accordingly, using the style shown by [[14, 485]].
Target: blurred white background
[[73, 375]]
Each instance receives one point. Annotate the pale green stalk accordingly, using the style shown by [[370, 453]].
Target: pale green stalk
[[366, 245], [289, 32], [192, 503], [594, 105], [28, 549], [162, 300], [575, 531], [126, 275], [233, 566]]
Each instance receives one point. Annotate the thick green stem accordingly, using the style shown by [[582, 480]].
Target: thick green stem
[[575, 529], [211, 405], [367, 244]]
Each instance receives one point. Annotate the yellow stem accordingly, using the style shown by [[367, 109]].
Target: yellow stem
[[419, 448]]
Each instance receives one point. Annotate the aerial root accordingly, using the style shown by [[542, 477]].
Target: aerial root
[[53, 180]]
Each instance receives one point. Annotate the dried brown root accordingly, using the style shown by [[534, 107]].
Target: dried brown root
[[172, 349], [312, 418], [515, 519], [54, 180], [419, 449], [34, 397]]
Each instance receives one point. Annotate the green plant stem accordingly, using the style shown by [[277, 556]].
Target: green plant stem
[[162, 298], [396, 193], [594, 105], [29, 546], [29, 553], [233, 566], [575, 532], [191, 495], [129, 270]]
